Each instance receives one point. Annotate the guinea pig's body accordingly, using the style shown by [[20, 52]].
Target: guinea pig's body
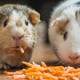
[[42, 51], [64, 30], [22, 36], [16, 34]]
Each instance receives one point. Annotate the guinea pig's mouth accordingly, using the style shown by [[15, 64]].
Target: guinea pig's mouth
[[67, 63], [70, 64], [19, 49]]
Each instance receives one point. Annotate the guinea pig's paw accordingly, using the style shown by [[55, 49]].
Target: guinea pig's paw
[[4, 66], [1, 65]]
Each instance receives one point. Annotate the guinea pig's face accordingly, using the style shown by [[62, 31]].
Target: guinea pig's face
[[64, 35], [17, 37], [17, 31]]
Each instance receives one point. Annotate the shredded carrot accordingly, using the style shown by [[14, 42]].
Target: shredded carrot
[[44, 72]]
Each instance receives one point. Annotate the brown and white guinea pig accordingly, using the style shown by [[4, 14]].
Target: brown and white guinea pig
[[17, 34], [64, 31], [22, 37]]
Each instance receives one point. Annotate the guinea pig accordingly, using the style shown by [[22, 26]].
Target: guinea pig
[[17, 34], [22, 37], [64, 30]]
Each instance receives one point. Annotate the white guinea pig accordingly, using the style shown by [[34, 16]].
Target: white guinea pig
[[64, 31]]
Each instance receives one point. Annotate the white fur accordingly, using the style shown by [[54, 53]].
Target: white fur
[[42, 51], [23, 29], [58, 10], [71, 46]]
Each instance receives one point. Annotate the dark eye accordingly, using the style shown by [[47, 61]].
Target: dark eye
[[5, 23], [26, 22], [65, 35]]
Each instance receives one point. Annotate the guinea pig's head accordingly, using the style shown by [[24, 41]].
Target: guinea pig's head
[[17, 32], [64, 36]]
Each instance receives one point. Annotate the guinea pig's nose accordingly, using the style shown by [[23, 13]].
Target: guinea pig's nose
[[75, 57], [17, 37]]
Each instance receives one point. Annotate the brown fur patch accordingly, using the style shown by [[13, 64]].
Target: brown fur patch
[[34, 18], [60, 24]]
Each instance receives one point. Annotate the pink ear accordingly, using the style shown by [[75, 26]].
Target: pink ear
[[34, 16], [60, 23]]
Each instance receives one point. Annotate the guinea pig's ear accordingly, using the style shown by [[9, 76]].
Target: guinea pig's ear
[[34, 16], [59, 23]]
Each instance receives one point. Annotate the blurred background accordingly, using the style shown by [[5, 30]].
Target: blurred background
[[37, 4], [42, 6]]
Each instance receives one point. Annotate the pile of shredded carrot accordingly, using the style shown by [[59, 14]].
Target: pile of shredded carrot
[[44, 72]]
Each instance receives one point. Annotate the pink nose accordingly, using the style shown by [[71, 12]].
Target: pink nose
[[75, 57], [17, 37]]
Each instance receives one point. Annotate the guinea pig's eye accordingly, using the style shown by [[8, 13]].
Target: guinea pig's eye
[[65, 35], [5, 23], [26, 22]]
